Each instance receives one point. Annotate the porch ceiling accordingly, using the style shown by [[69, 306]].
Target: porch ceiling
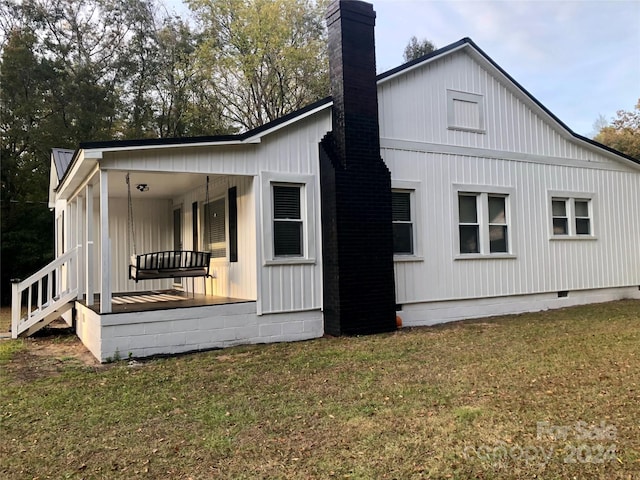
[[161, 185]]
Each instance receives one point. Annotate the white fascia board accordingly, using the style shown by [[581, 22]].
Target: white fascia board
[[606, 153], [422, 64], [86, 160], [52, 184], [256, 138], [174, 145], [562, 129]]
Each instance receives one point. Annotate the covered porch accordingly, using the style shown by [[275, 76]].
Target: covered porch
[[118, 215], [143, 324]]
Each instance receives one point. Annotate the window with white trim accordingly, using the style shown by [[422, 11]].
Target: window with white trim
[[287, 221], [483, 226], [288, 218], [402, 218], [571, 217]]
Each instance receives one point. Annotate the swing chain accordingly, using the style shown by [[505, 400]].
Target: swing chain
[[132, 233], [207, 211]]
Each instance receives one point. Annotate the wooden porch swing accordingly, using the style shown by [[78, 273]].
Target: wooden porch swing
[[167, 263]]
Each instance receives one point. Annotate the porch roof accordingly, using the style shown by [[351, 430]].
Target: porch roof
[[86, 159]]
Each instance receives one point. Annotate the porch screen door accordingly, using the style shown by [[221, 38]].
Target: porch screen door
[[177, 236]]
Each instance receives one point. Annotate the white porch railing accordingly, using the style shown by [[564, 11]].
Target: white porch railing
[[42, 297]]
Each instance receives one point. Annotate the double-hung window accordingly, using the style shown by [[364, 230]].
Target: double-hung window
[[403, 243], [571, 216], [287, 221], [288, 218], [483, 223]]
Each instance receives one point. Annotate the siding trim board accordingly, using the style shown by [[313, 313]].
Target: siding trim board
[[440, 148]]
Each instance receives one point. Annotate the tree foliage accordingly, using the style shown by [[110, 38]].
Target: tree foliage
[[623, 133], [27, 125], [417, 48], [78, 70], [265, 58]]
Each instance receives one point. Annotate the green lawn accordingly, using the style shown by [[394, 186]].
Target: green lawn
[[546, 395]]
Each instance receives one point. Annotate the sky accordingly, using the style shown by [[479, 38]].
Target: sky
[[579, 58]]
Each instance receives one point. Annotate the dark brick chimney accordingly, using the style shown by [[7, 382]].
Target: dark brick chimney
[[357, 239]]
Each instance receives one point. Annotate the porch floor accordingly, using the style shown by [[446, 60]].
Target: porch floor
[[160, 300]]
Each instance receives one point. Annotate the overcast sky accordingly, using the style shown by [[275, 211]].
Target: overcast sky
[[580, 58]]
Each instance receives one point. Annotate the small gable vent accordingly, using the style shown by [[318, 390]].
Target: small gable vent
[[465, 111]]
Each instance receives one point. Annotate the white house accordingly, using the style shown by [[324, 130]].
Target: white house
[[496, 207]]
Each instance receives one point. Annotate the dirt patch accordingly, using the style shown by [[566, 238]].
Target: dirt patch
[[49, 352], [232, 357]]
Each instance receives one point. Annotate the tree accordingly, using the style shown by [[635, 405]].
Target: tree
[[183, 105], [264, 58], [25, 127], [623, 134], [417, 48], [162, 92]]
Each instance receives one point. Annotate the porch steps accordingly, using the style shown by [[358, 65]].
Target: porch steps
[[45, 295], [42, 319]]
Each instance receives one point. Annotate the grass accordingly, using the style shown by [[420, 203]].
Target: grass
[[5, 319], [547, 395]]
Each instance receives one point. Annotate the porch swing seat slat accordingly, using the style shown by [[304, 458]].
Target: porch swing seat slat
[[169, 264]]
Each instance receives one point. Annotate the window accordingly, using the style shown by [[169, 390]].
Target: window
[[583, 221], [288, 218], [571, 217], [287, 221], [483, 226], [559, 214], [215, 228], [497, 224], [402, 222], [465, 111], [469, 226]]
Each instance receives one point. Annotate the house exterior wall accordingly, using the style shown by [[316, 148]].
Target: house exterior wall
[[525, 155], [291, 156], [232, 279], [413, 106], [539, 262]]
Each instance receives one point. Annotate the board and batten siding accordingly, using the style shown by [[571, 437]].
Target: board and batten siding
[[285, 154], [540, 263], [216, 159], [413, 106], [153, 231], [231, 279], [521, 150]]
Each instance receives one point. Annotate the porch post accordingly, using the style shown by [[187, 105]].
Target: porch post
[[72, 269], [79, 257], [88, 251], [105, 245]]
